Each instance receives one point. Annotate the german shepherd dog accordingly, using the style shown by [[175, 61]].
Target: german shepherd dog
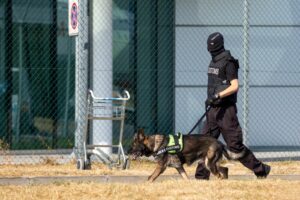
[[195, 147]]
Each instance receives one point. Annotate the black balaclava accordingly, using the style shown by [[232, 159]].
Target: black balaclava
[[215, 44]]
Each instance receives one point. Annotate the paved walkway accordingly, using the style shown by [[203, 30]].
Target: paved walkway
[[120, 179]]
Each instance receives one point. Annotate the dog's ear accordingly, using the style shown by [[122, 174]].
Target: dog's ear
[[141, 134]]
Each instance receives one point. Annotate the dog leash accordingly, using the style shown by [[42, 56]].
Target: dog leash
[[201, 118]]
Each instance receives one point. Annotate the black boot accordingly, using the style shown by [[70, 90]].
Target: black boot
[[202, 172], [265, 173]]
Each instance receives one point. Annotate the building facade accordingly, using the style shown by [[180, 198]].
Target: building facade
[[158, 53]]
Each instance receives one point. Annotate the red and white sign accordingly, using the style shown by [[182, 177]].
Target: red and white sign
[[73, 17]]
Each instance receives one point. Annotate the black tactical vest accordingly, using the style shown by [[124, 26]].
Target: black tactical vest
[[217, 81]]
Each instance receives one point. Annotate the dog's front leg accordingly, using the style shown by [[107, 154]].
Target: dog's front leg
[[158, 170], [182, 172]]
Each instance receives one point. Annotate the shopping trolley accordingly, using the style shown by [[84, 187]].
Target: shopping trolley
[[105, 109]]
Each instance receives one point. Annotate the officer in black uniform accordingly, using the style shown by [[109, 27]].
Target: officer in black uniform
[[222, 116]]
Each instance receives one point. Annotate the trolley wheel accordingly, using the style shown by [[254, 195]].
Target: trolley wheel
[[88, 164], [126, 164], [80, 164], [84, 165]]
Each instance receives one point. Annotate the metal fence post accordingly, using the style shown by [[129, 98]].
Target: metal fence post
[[246, 69], [81, 79]]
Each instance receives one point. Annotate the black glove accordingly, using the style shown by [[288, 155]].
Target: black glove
[[210, 101]]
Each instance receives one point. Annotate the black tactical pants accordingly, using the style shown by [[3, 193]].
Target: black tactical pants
[[223, 120]]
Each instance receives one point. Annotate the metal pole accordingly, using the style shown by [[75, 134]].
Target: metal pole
[[102, 72], [246, 69], [81, 77], [66, 124]]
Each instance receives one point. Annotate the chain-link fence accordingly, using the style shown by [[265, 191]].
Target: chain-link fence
[[156, 50], [36, 76]]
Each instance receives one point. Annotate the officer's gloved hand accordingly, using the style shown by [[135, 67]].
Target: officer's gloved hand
[[211, 101]]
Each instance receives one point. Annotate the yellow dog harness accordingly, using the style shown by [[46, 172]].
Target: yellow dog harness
[[175, 144]]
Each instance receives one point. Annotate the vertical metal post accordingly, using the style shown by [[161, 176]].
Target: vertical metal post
[[246, 69], [81, 74], [102, 72], [54, 73], [8, 54], [66, 114]]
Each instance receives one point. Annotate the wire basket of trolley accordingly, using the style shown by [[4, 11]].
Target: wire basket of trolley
[[105, 109]]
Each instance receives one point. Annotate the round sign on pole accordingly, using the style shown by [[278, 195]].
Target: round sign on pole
[[73, 17]]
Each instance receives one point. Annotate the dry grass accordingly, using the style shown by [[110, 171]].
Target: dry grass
[[144, 168], [168, 189]]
